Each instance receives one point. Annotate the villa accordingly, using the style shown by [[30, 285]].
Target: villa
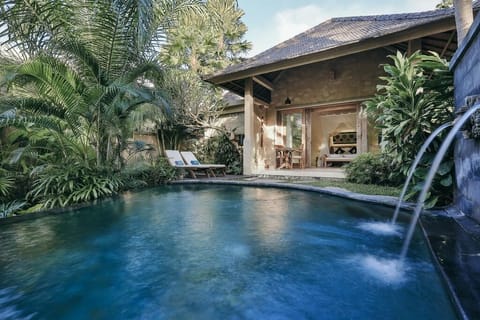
[[303, 98]]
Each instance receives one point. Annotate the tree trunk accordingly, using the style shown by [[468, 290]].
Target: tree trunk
[[163, 143], [463, 18]]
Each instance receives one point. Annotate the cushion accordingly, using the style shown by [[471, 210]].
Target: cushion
[[179, 163], [194, 162]]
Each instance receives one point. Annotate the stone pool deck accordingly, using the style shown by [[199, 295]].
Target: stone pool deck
[[294, 182]]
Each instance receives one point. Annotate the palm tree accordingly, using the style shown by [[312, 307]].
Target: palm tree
[[208, 41], [463, 17], [81, 77]]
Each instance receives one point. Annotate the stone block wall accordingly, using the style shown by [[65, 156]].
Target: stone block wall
[[342, 79], [466, 67]]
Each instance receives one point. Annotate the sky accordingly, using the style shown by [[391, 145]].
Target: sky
[[270, 22]]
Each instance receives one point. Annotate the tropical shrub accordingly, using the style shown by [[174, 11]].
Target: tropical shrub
[[143, 174], [415, 99], [7, 183], [371, 168], [71, 183], [83, 76], [10, 208], [7, 192], [219, 149], [71, 88]]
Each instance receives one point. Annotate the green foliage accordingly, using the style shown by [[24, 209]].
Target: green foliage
[[444, 4], [371, 189], [441, 189], [416, 98], [201, 43], [71, 183], [10, 208], [144, 174], [219, 149], [194, 107], [71, 88], [371, 168], [84, 75], [209, 40], [6, 184]]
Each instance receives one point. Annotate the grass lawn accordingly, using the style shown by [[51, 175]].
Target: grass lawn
[[370, 189]]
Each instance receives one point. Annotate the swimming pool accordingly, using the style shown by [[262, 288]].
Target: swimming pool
[[215, 252]]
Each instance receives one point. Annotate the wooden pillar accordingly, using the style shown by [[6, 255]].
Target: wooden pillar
[[307, 148], [249, 147], [414, 45], [362, 130]]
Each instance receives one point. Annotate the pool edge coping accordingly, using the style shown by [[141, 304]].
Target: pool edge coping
[[333, 191]]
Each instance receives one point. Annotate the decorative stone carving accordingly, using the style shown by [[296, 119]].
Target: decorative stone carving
[[471, 130], [475, 120]]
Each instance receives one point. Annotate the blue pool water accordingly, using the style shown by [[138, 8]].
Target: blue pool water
[[219, 252]]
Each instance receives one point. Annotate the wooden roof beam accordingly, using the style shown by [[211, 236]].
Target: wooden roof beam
[[447, 45], [263, 82]]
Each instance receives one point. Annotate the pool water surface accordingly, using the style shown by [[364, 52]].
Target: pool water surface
[[216, 252]]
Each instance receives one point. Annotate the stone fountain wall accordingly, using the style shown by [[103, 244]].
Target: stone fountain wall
[[466, 67]]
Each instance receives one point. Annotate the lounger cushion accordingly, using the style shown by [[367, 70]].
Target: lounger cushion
[[179, 163], [195, 162]]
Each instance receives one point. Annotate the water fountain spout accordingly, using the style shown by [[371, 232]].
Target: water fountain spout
[[458, 123], [415, 163]]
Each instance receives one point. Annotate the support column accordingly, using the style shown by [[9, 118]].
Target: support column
[[414, 45], [307, 148], [249, 147], [362, 130]]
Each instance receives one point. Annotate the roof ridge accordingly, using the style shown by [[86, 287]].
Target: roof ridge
[[397, 16], [382, 17], [404, 15]]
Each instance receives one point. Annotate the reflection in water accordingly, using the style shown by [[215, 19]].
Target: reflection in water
[[269, 216]]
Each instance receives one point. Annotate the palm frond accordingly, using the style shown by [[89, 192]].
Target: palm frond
[[105, 34], [29, 105], [45, 122], [30, 25], [88, 65]]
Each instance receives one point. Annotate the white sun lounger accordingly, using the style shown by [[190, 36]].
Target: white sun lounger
[[191, 160], [176, 161]]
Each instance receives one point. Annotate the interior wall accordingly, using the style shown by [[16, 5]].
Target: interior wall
[[324, 125]]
